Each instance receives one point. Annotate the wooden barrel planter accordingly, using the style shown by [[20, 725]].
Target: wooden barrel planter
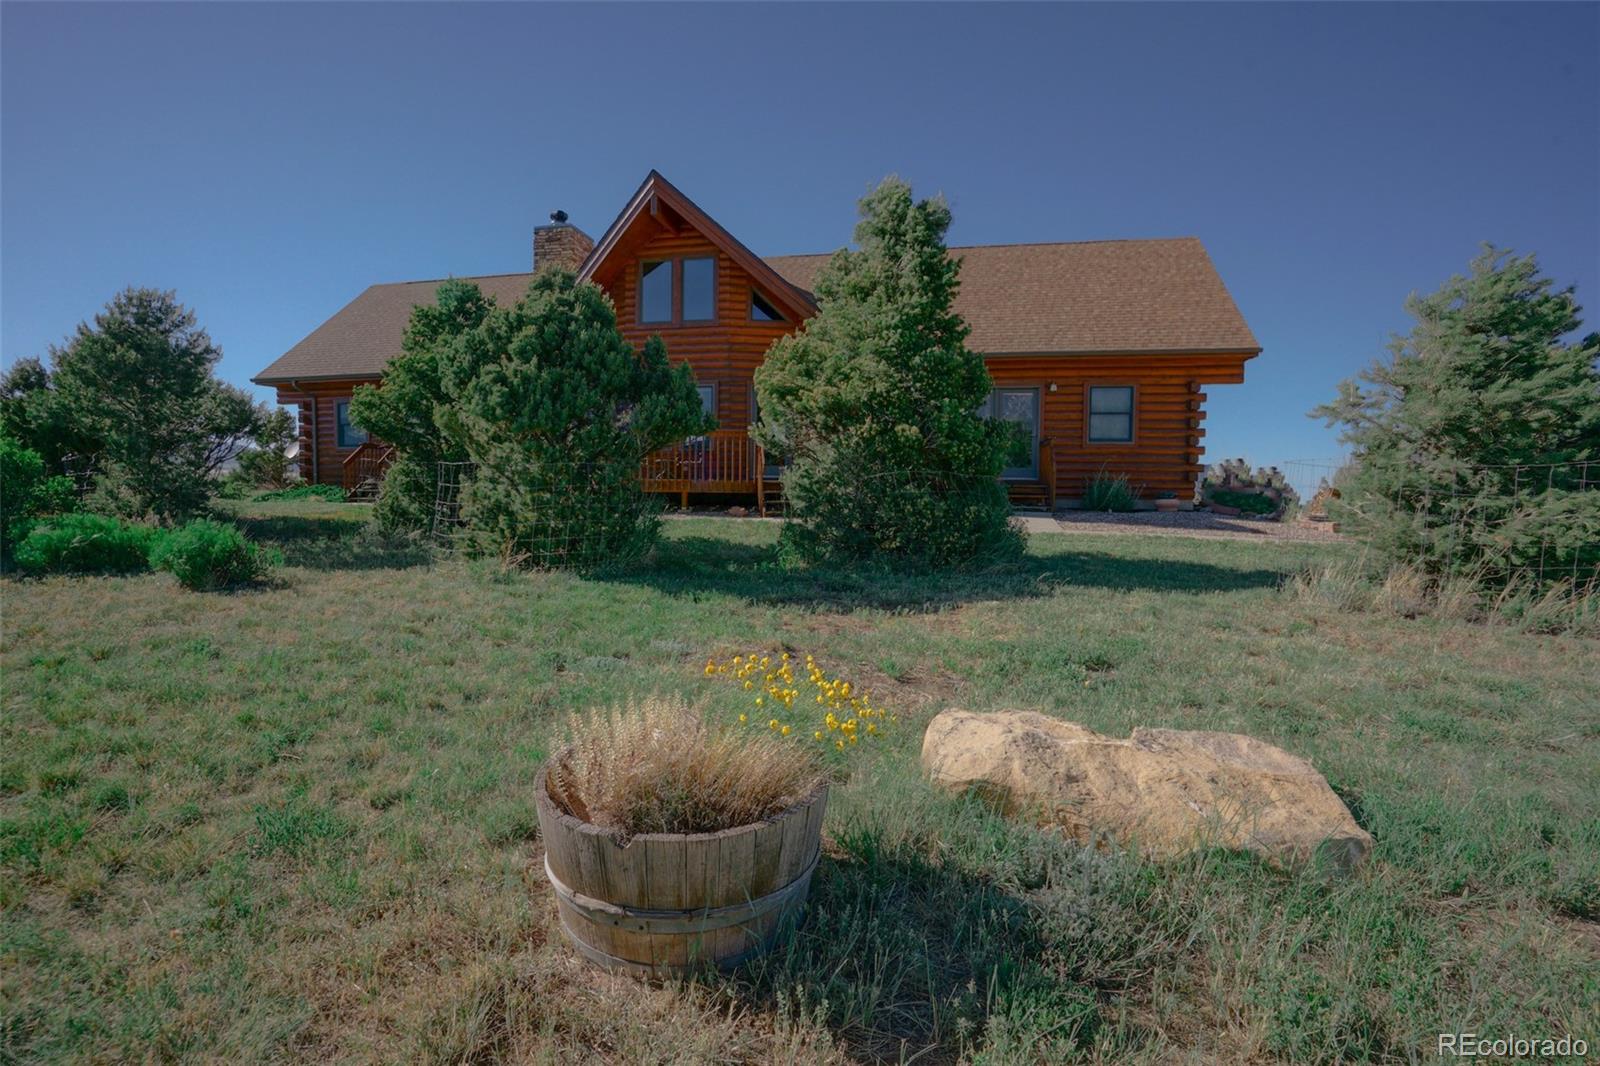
[[667, 903]]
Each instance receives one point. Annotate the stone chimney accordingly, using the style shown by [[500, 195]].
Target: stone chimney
[[560, 244]]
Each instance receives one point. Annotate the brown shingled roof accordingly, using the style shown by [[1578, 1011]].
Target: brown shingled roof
[[1122, 297], [1085, 297]]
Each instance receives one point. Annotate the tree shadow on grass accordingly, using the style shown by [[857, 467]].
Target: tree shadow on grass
[[696, 566], [335, 543], [901, 958]]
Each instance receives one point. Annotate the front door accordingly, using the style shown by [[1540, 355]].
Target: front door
[[1020, 409]]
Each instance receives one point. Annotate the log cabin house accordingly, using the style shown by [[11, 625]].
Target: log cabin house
[[1100, 351]]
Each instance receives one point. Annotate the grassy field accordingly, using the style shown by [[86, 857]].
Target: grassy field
[[295, 823]]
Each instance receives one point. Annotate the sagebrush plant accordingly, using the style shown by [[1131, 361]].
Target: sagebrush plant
[[1109, 492], [85, 544], [205, 554], [654, 766]]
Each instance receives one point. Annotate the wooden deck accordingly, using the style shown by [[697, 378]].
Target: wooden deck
[[728, 462]]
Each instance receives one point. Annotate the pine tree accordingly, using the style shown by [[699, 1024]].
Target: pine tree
[[1469, 441], [872, 404], [556, 410], [139, 383]]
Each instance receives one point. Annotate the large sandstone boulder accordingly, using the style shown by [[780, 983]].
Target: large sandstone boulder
[[1163, 791]]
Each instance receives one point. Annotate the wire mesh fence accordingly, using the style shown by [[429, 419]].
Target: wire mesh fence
[[1504, 524], [590, 515], [1308, 476], [448, 524], [577, 515], [81, 470]]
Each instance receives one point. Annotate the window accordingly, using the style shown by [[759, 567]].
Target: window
[[761, 309], [699, 290], [1019, 410], [708, 399], [350, 435], [655, 291], [1111, 413]]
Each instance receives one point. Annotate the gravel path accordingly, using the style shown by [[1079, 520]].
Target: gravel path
[[1147, 523], [1178, 524]]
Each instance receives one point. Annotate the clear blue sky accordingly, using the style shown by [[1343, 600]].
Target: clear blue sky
[[269, 162]]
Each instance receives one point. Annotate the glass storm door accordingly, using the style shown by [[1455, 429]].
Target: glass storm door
[[1020, 409]]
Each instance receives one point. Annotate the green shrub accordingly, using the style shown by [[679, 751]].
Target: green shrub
[[331, 493], [211, 555], [26, 492], [1109, 492], [1262, 491], [85, 544], [1248, 502]]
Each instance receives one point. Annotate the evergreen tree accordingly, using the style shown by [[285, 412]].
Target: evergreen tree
[[139, 382], [267, 464], [404, 411], [1469, 441], [31, 413], [556, 410], [873, 404]]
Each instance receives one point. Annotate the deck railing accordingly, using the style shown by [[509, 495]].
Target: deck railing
[[364, 469], [724, 460], [1047, 471]]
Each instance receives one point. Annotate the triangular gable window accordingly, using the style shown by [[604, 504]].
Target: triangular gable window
[[762, 310]]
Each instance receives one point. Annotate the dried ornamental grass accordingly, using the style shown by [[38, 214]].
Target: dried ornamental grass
[[654, 767]]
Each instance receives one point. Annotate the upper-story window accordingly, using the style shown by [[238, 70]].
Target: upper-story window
[[350, 434], [675, 291], [762, 310], [1111, 413], [699, 290], [655, 290]]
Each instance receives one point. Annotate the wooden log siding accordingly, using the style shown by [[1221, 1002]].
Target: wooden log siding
[[724, 353], [1166, 452], [319, 425]]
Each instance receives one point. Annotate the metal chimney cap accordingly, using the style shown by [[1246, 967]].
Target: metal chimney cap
[[558, 217]]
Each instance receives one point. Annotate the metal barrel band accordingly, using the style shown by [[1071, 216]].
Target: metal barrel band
[[648, 969], [701, 920]]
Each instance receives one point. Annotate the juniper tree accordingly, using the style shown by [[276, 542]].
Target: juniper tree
[[873, 404], [556, 410], [405, 411], [139, 383], [1469, 440]]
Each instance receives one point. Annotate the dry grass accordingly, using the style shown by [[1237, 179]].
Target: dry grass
[[296, 824], [1352, 584], [654, 766]]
